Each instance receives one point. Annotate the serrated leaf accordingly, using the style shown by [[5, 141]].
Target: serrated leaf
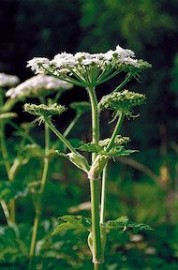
[[91, 147], [70, 222], [116, 151], [119, 223], [120, 151], [139, 227], [123, 224], [12, 190]]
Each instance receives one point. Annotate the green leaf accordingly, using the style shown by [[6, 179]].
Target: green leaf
[[123, 224], [34, 150], [12, 190], [70, 222], [116, 151], [120, 151], [91, 147]]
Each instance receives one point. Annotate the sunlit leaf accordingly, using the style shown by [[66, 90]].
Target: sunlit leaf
[[123, 223], [70, 222]]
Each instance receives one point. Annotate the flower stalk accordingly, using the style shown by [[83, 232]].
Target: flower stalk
[[11, 212], [38, 206]]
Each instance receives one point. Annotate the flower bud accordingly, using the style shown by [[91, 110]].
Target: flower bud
[[97, 167], [123, 101], [79, 161], [44, 110]]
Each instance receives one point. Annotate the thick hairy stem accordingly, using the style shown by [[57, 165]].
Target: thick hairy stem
[[38, 206], [95, 189], [95, 116], [96, 232]]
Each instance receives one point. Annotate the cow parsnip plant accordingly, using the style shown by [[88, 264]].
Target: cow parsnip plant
[[88, 71]]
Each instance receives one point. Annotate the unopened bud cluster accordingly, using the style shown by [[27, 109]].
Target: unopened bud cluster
[[123, 101], [44, 110]]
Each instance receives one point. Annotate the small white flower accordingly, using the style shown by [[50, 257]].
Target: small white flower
[[109, 55], [37, 63], [81, 55], [8, 80], [124, 52], [36, 85]]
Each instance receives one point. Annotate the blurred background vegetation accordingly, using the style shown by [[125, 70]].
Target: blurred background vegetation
[[145, 186]]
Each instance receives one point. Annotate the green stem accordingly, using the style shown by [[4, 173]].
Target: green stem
[[5, 156], [38, 206], [71, 125], [126, 80], [9, 104], [103, 195], [95, 189], [95, 116], [96, 232], [116, 130], [104, 176], [6, 212], [33, 241], [4, 149], [60, 136]]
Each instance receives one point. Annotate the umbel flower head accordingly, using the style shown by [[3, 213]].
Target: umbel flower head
[[38, 85], [123, 102], [85, 69], [43, 110], [8, 80]]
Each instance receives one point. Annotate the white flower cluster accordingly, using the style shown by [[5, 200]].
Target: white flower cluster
[[8, 80], [37, 85], [87, 69]]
